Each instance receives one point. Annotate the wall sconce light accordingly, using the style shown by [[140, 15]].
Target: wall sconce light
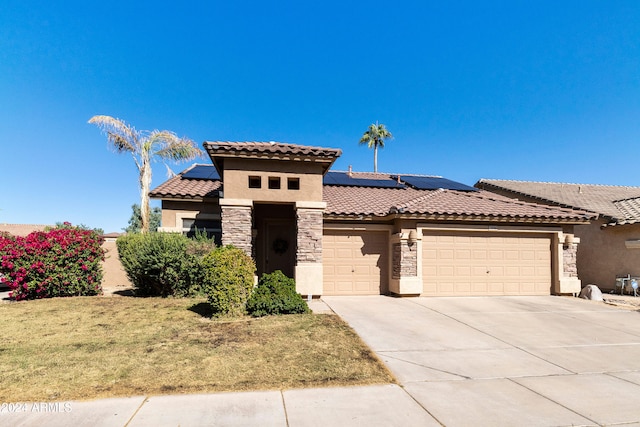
[[568, 239], [413, 237]]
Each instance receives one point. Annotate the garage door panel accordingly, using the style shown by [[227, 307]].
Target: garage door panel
[[462, 271], [355, 262], [499, 264], [478, 271], [496, 271], [479, 254]]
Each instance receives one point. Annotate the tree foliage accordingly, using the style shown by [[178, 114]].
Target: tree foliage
[[135, 222], [374, 137], [144, 146]]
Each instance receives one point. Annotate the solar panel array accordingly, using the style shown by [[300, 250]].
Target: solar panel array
[[209, 172], [202, 172], [434, 183], [343, 179]]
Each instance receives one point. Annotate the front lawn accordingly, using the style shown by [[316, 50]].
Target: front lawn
[[94, 347]]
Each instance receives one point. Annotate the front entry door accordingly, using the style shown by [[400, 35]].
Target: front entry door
[[280, 247]]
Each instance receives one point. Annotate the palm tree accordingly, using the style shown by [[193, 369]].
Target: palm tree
[[374, 137], [144, 146]]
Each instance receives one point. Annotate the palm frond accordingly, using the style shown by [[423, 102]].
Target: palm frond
[[121, 136], [170, 172], [172, 147]]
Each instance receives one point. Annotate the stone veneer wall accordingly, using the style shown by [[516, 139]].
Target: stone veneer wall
[[405, 260], [309, 235], [569, 260], [236, 227]]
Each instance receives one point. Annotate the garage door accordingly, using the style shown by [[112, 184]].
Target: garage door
[[460, 264], [355, 262]]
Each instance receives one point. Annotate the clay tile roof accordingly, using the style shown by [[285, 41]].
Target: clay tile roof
[[630, 210], [184, 188], [276, 148], [343, 200], [619, 204]]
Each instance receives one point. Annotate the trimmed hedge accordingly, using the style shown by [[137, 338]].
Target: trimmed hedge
[[163, 264], [228, 280], [59, 262], [276, 294]]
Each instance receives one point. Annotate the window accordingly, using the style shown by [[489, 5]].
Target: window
[[293, 183], [274, 182], [211, 227], [255, 182]]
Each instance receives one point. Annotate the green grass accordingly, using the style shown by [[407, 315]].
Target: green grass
[[94, 347]]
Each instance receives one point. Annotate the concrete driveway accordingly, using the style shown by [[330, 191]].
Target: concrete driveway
[[540, 361]]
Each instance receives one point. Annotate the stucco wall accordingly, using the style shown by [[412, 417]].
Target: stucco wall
[[237, 172], [114, 275], [602, 253]]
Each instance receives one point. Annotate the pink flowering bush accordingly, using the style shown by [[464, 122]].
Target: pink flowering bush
[[63, 261]]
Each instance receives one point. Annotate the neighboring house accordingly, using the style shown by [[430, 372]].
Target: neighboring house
[[22, 229], [610, 245], [345, 233]]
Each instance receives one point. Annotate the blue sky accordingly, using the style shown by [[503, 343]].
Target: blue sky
[[544, 91]]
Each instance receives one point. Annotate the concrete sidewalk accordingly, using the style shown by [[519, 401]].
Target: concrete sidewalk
[[383, 405]]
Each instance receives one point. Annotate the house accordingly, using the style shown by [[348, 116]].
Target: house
[[610, 245], [349, 233], [22, 229]]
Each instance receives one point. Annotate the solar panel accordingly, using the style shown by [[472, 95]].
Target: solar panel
[[434, 183], [202, 172], [343, 179]]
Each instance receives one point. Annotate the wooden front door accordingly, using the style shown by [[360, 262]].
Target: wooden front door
[[280, 246]]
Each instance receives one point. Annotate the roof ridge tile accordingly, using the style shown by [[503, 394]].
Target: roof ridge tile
[[491, 180]]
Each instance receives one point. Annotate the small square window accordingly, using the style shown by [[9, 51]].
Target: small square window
[[293, 183], [255, 182], [274, 182]]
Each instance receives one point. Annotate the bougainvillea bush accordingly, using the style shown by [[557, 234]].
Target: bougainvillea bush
[[59, 262]]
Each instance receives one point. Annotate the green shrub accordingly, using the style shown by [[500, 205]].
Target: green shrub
[[228, 280], [276, 294], [163, 264]]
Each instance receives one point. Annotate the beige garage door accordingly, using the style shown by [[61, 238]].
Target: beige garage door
[[465, 264], [355, 262]]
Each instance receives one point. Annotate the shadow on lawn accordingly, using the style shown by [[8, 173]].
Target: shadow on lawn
[[203, 309], [126, 293]]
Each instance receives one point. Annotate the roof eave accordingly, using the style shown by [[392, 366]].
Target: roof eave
[[217, 156], [458, 218]]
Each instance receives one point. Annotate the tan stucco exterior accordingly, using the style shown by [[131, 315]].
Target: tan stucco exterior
[[114, 275], [238, 171], [607, 252]]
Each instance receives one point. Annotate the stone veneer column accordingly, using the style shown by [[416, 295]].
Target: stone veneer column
[[569, 260], [568, 282], [405, 260], [236, 219], [404, 263], [308, 271]]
